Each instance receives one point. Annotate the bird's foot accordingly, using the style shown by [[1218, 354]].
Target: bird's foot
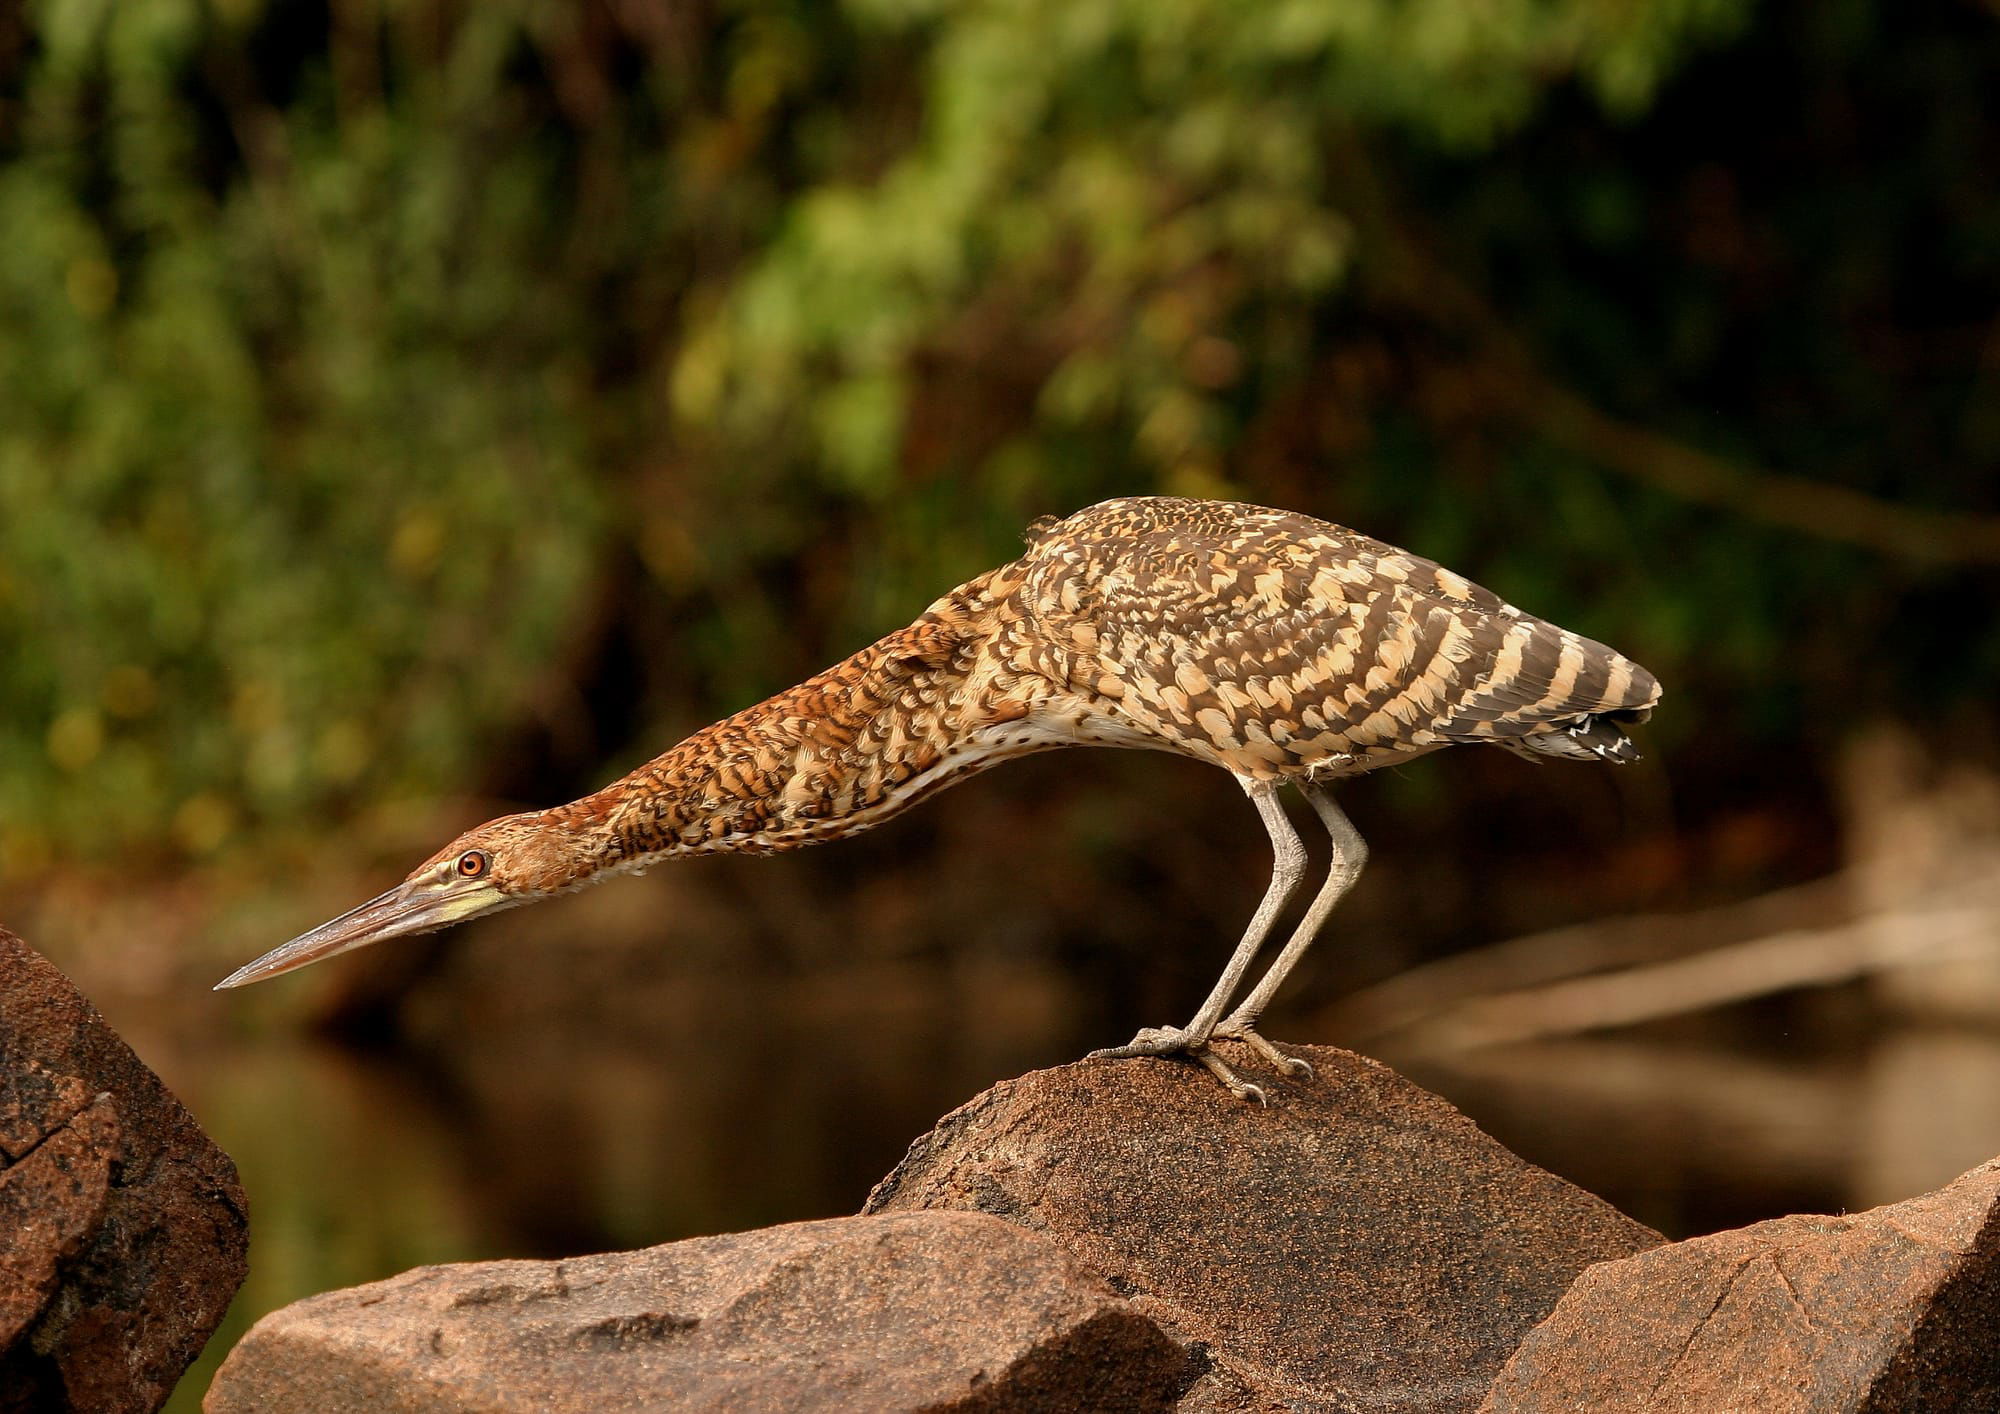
[[1234, 1030], [1173, 1041]]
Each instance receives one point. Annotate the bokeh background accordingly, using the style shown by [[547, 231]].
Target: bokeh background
[[415, 409]]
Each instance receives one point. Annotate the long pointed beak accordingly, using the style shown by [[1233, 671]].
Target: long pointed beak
[[398, 912]]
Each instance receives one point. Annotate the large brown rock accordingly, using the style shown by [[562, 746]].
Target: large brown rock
[[122, 1229], [1359, 1244], [927, 1311], [1890, 1310]]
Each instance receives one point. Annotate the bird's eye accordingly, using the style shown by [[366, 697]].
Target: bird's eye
[[474, 863]]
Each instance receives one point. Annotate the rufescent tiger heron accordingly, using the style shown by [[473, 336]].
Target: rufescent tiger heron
[[1281, 648]]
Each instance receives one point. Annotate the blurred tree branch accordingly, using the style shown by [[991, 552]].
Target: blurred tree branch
[[1776, 498], [1398, 268], [1937, 931]]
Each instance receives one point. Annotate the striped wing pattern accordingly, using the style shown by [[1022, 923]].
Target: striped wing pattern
[[1273, 643]]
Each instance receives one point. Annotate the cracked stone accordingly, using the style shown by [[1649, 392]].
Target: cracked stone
[[51, 1199], [923, 1311], [122, 1229], [1887, 1310]]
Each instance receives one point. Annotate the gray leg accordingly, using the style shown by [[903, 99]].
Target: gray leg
[[1350, 853], [1288, 867]]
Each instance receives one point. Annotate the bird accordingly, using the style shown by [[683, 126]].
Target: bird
[[1286, 650]]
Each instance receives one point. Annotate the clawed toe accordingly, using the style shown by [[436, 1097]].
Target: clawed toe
[[1152, 1041], [1231, 1081], [1288, 1065]]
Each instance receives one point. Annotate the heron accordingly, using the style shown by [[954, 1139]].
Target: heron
[[1284, 649]]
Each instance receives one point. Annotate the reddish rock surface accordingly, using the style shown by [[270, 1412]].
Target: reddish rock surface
[[1358, 1245], [922, 1311], [122, 1230], [1889, 1310]]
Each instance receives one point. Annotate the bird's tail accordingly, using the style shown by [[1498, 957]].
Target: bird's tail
[[1592, 736]]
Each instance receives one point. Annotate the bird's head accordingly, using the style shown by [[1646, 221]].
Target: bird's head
[[513, 860]]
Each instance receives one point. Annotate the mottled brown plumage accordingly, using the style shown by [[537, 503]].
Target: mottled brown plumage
[[1278, 647]]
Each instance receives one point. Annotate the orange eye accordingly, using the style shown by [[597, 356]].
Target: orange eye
[[473, 863]]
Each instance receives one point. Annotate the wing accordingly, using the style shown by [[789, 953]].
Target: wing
[[1269, 641]]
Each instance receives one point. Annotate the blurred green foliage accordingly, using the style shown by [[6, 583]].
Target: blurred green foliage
[[379, 381]]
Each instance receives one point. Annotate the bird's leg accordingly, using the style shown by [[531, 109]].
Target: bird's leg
[[1288, 867], [1350, 853]]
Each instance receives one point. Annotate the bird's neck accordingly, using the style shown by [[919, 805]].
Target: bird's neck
[[838, 753]]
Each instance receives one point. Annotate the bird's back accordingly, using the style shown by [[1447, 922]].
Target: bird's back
[[1275, 644]]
